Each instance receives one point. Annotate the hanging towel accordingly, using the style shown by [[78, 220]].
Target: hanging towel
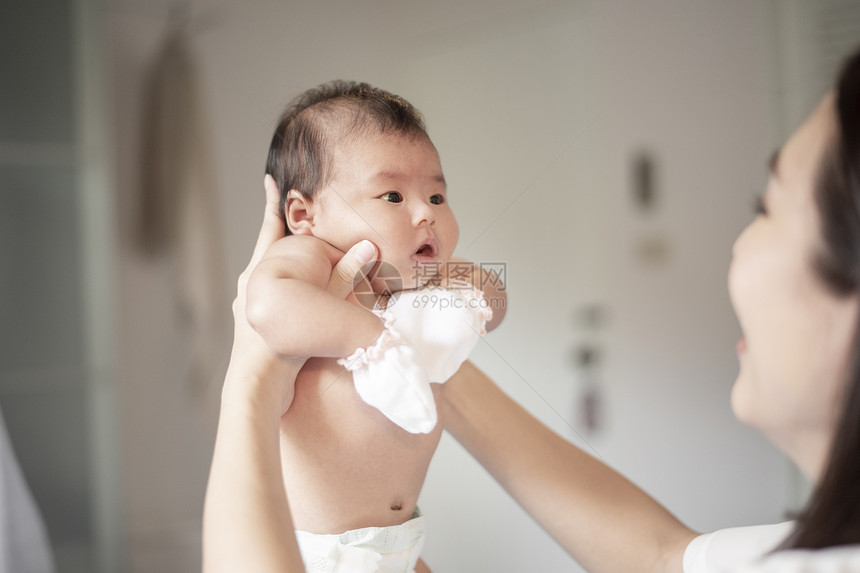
[[179, 209]]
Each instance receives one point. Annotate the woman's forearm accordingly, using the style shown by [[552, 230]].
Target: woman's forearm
[[599, 517], [247, 524]]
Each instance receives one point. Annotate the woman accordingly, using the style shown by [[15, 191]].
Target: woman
[[795, 286]]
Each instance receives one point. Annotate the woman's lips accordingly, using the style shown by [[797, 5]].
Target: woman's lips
[[742, 346]]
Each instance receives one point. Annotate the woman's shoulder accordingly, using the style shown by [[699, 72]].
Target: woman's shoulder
[[842, 559]]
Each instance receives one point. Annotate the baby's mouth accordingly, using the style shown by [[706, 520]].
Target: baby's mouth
[[428, 249]]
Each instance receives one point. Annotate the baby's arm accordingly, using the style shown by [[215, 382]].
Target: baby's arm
[[289, 307]]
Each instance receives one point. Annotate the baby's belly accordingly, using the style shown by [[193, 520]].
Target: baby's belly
[[345, 464]]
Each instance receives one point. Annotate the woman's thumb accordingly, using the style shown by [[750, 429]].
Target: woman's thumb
[[350, 266]]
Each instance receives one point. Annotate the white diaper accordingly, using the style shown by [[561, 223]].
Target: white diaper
[[393, 549]]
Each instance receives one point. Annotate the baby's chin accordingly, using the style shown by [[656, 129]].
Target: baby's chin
[[423, 274]]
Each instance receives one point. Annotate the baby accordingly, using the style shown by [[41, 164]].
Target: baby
[[354, 163]]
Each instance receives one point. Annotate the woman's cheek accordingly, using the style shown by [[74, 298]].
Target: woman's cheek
[[741, 398], [737, 284]]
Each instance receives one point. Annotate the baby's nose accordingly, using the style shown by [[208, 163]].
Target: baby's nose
[[423, 213]]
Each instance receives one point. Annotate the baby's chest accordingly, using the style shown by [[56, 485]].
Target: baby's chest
[[328, 412], [324, 388]]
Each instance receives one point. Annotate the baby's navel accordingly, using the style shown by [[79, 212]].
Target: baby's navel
[[397, 506]]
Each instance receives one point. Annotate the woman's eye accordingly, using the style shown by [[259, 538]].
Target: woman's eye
[[437, 199], [392, 197], [759, 206]]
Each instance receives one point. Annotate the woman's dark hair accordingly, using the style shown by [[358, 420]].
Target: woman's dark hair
[[832, 516], [300, 156]]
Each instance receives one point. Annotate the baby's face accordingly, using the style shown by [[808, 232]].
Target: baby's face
[[389, 188]]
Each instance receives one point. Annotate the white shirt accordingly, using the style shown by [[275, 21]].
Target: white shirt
[[24, 546], [747, 550]]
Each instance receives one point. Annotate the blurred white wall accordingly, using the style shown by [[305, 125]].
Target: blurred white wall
[[536, 111], [691, 83]]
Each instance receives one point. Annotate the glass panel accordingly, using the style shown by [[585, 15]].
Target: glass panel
[[40, 293], [36, 96]]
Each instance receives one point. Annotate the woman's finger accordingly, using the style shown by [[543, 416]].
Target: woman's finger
[[352, 265], [273, 227]]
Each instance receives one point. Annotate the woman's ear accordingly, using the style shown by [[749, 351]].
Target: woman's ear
[[299, 213]]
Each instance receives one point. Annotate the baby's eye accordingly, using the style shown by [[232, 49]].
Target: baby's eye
[[437, 199], [392, 197]]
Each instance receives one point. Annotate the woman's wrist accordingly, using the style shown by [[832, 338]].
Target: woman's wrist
[[264, 390], [449, 396]]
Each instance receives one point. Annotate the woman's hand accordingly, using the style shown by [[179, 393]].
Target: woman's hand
[[251, 360], [247, 524], [254, 366]]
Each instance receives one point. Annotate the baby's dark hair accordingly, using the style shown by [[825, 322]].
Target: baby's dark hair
[[300, 156]]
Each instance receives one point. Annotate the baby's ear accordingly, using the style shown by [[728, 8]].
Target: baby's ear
[[299, 213]]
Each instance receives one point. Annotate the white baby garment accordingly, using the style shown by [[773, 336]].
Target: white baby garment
[[428, 334], [442, 324]]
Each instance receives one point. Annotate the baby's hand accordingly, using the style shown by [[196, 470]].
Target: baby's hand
[[442, 324], [428, 333], [390, 376]]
